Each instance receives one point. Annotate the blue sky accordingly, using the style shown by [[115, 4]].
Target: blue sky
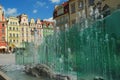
[[42, 9]]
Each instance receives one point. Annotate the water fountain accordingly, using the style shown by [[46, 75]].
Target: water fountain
[[87, 53], [35, 46], [90, 53]]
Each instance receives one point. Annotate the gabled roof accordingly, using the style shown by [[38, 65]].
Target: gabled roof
[[47, 23]]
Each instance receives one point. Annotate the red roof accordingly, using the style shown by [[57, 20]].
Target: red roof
[[47, 23], [65, 3]]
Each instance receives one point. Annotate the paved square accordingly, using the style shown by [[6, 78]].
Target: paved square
[[6, 59]]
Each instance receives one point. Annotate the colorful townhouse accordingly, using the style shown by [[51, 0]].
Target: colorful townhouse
[[48, 28], [24, 29], [13, 32], [3, 43]]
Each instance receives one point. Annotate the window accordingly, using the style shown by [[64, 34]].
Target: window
[[16, 35], [3, 31], [73, 22], [118, 6], [62, 19], [66, 18], [13, 40], [58, 21], [9, 28], [73, 7], [3, 25], [17, 29], [3, 38], [60, 11], [10, 35], [13, 35], [10, 22], [91, 2], [26, 24], [22, 29], [80, 5]]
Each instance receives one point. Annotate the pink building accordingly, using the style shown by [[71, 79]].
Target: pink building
[[3, 43]]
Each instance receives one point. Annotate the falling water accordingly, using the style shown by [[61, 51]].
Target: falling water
[[35, 47], [85, 51]]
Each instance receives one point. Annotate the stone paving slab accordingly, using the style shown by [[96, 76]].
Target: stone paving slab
[[6, 59]]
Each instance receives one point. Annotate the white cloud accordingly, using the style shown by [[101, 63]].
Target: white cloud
[[10, 11], [55, 1], [34, 11], [49, 19], [39, 4]]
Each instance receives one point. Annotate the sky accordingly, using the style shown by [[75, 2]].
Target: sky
[[42, 9]]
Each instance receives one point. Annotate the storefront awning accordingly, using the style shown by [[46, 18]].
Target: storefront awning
[[3, 47]]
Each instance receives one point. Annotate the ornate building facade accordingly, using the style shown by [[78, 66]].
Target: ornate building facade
[[24, 29], [3, 43], [13, 32]]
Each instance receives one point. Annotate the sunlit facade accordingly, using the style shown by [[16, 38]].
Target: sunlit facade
[[13, 32], [24, 29]]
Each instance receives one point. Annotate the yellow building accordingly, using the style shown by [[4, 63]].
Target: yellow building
[[24, 29], [39, 30], [13, 32], [36, 27], [32, 28]]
